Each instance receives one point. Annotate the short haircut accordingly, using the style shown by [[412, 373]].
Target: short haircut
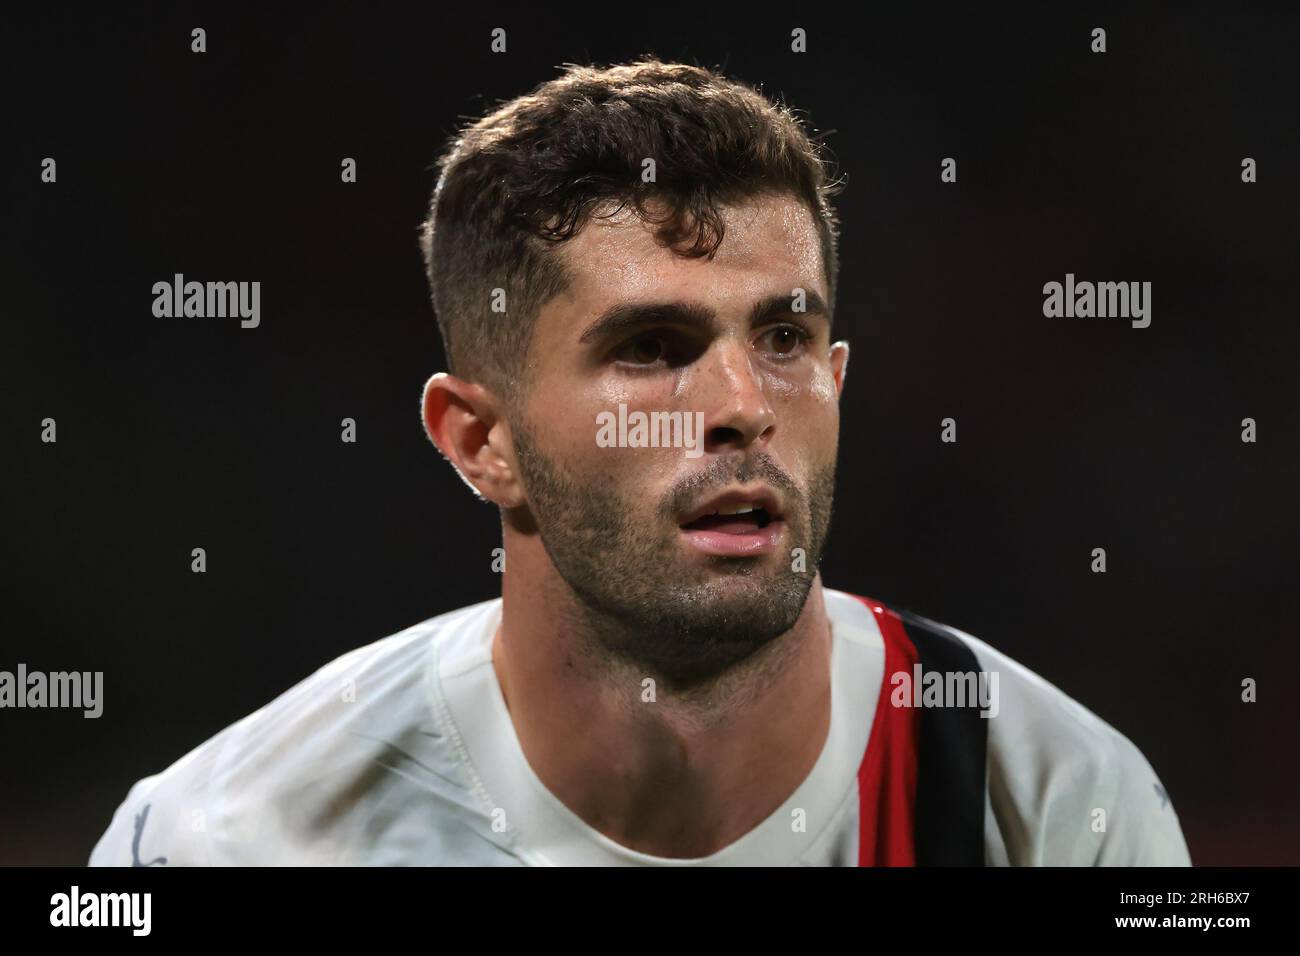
[[531, 173]]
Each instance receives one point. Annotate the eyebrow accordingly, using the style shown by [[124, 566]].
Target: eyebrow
[[628, 315]]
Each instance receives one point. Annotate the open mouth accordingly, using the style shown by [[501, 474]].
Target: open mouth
[[740, 521], [736, 525]]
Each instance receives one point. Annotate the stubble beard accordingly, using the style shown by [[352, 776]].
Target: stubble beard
[[634, 600]]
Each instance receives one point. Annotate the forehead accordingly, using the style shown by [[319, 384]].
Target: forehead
[[770, 244]]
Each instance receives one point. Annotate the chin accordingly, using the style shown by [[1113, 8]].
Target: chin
[[756, 606]]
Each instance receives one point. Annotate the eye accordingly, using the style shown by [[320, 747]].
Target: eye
[[643, 350], [786, 340]]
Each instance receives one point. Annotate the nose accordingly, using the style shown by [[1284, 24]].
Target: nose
[[737, 413]]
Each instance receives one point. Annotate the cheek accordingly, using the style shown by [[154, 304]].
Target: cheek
[[784, 390], [822, 387], [640, 472], [635, 475], [826, 399], [809, 409], [813, 393]]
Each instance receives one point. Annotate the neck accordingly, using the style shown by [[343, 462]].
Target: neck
[[676, 775]]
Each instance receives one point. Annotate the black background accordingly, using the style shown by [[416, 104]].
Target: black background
[[1073, 433]]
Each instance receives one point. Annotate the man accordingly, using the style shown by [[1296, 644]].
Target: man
[[634, 274]]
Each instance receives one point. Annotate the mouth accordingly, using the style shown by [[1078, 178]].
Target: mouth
[[740, 523]]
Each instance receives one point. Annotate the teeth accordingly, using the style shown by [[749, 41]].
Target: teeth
[[743, 510]]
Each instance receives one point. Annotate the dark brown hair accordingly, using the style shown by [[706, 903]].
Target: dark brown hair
[[534, 171]]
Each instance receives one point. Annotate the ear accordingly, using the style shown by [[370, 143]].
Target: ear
[[464, 420], [840, 364]]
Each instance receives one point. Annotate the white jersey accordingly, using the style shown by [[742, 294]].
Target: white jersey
[[403, 753]]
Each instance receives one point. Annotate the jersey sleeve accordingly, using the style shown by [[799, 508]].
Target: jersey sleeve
[[1142, 827], [165, 820], [1064, 787]]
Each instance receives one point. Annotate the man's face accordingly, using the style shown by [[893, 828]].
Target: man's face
[[680, 590]]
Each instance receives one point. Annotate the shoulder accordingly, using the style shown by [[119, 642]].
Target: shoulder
[[311, 777], [1063, 786]]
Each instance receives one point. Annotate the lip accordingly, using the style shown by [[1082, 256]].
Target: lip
[[728, 545], [736, 545]]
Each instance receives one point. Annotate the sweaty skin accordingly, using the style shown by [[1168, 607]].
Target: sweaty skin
[[672, 698]]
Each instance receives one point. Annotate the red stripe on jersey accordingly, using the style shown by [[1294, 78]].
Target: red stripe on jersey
[[887, 777]]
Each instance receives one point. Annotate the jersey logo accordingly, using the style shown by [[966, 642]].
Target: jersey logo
[[140, 818]]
